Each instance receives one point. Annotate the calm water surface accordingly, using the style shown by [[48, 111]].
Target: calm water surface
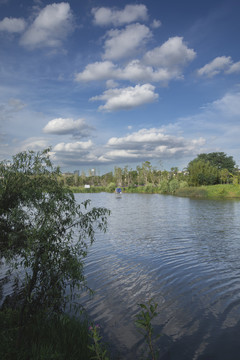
[[182, 252]]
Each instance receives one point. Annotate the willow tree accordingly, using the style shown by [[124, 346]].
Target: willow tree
[[202, 173], [44, 233]]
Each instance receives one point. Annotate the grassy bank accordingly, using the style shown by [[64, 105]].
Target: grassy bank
[[56, 337], [228, 191]]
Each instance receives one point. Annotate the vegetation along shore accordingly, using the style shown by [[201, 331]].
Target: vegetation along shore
[[212, 175]]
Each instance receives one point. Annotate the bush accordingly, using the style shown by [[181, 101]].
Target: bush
[[38, 217], [111, 187], [173, 186], [164, 187]]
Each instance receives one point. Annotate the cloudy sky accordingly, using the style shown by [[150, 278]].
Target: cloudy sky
[[115, 83]]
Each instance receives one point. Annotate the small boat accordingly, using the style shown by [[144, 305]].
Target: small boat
[[118, 192]]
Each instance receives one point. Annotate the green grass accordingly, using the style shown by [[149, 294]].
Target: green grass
[[225, 191], [56, 337], [92, 189], [228, 191]]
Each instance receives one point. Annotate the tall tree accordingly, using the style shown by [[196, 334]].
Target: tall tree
[[218, 159], [118, 175], [202, 173], [44, 232]]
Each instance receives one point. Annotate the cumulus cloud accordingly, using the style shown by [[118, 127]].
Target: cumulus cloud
[[136, 71], [97, 71], [149, 138], [145, 144], [161, 64], [78, 146], [12, 25], [62, 126], [127, 98], [75, 153], [122, 43], [174, 53], [107, 16], [219, 64], [121, 155], [50, 28], [151, 144]]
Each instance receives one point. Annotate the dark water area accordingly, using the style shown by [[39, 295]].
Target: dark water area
[[184, 253]]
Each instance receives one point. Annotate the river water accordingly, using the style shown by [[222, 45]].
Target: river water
[[184, 253]]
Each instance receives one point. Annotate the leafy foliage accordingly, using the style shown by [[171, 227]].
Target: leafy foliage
[[202, 173], [97, 347], [219, 160], [210, 169], [44, 233], [144, 323]]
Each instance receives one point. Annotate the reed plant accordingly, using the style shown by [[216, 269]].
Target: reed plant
[[44, 337]]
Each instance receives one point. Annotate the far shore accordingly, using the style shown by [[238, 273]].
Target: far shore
[[221, 191]]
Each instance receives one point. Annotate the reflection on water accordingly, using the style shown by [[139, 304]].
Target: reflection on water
[[182, 252]]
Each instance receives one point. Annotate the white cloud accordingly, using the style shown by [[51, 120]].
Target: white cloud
[[161, 64], [234, 68], [156, 24], [151, 144], [217, 65], [121, 154], [74, 154], [62, 126], [12, 25], [135, 71], [50, 28], [149, 138], [78, 146], [124, 43], [127, 98], [131, 13], [97, 71], [174, 53]]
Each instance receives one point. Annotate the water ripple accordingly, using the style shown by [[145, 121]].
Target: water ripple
[[182, 252]]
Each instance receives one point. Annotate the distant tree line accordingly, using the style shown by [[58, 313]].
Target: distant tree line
[[205, 169]]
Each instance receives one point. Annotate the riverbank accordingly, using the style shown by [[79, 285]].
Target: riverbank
[[226, 191], [223, 191]]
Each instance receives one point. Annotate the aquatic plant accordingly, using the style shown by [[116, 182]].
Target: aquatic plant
[[144, 323]]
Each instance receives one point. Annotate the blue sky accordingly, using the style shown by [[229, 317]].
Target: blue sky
[[115, 83]]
